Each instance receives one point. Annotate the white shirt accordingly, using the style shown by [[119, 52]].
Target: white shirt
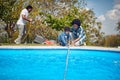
[[21, 21]]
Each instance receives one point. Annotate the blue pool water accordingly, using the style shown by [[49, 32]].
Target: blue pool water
[[28, 64]]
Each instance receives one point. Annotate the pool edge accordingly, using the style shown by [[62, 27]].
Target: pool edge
[[60, 47]]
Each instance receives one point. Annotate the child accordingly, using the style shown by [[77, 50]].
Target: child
[[64, 38]]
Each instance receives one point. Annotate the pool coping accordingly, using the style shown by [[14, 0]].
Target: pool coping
[[60, 47]]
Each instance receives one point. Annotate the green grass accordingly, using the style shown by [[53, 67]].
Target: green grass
[[12, 44]]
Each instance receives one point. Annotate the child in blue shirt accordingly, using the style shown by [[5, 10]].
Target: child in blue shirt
[[64, 37]]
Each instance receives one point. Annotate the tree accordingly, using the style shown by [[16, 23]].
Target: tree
[[118, 27], [112, 41], [6, 7]]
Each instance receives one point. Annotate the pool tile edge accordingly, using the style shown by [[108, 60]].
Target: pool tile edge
[[60, 47]]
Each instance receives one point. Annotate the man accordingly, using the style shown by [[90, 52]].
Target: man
[[78, 34], [22, 22], [64, 38]]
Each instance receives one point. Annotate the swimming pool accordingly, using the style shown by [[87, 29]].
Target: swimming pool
[[49, 64]]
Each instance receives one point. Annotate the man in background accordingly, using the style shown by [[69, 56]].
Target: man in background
[[21, 23]]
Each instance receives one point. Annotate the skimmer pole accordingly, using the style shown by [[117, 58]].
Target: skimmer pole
[[66, 65]]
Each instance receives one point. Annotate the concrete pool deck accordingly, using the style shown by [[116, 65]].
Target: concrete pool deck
[[60, 47]]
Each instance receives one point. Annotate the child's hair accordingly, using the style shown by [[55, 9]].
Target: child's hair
[[77, 22], [66, 28], [29, 7]]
